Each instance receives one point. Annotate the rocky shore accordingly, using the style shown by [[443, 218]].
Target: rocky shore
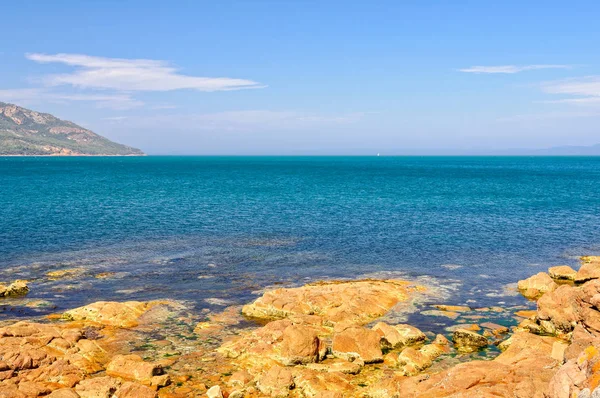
[[329, 339]]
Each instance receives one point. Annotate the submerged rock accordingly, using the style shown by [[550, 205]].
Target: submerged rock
[[17, 288], [466, 340]]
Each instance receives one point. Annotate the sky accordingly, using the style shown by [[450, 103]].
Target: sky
[[310, 77]]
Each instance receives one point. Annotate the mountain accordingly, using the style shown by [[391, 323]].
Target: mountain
[[593, 150], [26, 132]]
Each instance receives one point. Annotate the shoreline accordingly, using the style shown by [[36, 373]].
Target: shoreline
[[324, 339]]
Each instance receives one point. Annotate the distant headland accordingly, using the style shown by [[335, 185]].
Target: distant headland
[[24, 132]]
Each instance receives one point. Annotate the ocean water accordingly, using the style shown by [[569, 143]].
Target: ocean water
[[215, 231]]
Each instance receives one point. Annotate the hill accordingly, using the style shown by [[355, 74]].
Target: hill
[[29, 133]]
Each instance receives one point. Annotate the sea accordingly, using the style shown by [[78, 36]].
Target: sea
[[217, 231]]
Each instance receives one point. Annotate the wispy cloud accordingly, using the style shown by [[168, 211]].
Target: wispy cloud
[[119, 101], [132, 75], [547, 116], [583, 91], [509, 69]]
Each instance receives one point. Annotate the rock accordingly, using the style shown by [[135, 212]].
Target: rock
[[240, 378], [526, 313], [536, 285], [310, 383], [300, 345], [17, 288], [568, 306], [358, 342], [590, 269], [447, 314], [338, 365], [214, 392], [453, 308], [399, 335], [276, 382], [524, 370], [466, 340], [134, 390], [63, 393], [133, 367], [110, 313], [562, 272], [467, 326], [236, 394], [413, 361], [353, 302], [441, 340], [98, 387], [67, 273], [493, 329]]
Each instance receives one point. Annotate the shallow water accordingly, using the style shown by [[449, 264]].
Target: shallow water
[[215, 231]]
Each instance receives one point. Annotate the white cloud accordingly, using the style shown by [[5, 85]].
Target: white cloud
[[584, 86], [585, 90], [509, 69], [132, 75], [119, 101]]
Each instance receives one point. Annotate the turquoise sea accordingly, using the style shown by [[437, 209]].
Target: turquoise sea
[[214, 231]]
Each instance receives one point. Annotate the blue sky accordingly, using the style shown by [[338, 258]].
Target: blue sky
[[314, 77]]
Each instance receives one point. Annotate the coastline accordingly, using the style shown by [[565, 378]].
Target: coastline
[[324, 339]]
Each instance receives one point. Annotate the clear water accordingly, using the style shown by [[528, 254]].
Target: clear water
[[217, 230]]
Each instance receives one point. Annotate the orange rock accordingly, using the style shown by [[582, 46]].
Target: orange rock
[[300, 345], [133, 367], [98, 387], [110, 313], [562, 272], [357, 342], [356, 302], [134, 390], [276, 382], [590, 269], [400, 335], [536, 285]]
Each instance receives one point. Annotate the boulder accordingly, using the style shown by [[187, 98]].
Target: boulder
[[134, 390], [466, 340], [398, 336], [133, 367], [276, 382], [562, 272], [98, 387], [589, 270], [300, 345], [537, 285], [356, 342], [64, 393]]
